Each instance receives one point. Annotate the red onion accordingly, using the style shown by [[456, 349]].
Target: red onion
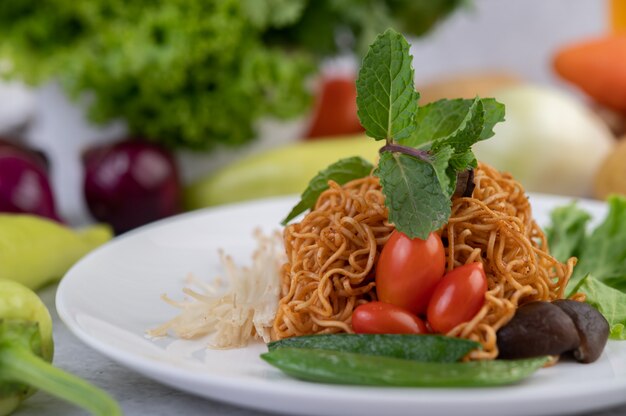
[[24, 182], [131, 183]]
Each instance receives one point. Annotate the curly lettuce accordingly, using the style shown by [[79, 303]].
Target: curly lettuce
[[192, 73]]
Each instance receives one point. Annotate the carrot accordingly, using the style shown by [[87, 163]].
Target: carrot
[[598, 67]]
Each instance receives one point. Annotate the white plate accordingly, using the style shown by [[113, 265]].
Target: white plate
[[111, 297]]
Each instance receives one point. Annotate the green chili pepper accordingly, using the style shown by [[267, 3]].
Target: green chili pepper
[[35, 251], [26, 351]]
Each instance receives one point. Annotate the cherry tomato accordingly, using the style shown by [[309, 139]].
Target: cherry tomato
[[408, 271], [385, 318], [335, 110], [458, 297]]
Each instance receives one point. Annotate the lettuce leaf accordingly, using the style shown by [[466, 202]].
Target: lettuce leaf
[[610, 302], [601, 253], [193, 74], [601, 270], [568, 231]]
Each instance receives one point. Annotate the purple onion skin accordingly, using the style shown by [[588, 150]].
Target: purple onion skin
[[24, 184], [131, 183]]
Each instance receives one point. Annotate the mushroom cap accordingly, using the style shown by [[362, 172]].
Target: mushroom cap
[[593, 329], [538, 328]]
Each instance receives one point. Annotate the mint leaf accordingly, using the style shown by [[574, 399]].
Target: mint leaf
[[494, 114], [447, 119], [341, 172], [387, 100], [416, 202], [455, 124], [441, 163], [567, 231], [610, 302], [468, 131]]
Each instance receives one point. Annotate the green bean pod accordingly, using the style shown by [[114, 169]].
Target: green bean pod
[[359, 369]]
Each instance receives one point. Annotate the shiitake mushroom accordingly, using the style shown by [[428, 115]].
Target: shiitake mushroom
[[563, 326], [593, 329], [538, 328]]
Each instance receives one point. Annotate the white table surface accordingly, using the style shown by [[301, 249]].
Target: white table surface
[[136, 394]]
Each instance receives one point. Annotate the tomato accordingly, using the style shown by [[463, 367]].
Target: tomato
[[385, 318], [335, 110], [458, 297], [408, 271]]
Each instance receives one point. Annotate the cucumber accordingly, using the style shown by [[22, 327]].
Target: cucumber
[[434, 348], [359, 369]]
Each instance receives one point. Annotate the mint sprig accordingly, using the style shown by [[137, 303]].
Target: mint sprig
[[418, 188], [425, 149]]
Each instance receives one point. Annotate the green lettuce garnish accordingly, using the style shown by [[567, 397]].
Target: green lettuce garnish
[[601, 270], [610, 302], [601, 253]]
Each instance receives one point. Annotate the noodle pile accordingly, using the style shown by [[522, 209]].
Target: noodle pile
[[331, 255], [495, 227], [330, 259]]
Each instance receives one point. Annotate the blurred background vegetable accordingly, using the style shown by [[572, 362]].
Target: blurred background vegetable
[[335, 108], [35, 251], [611, 177], [598, 67], [131, 183], [26, 350], [24, 183], [549, 141], [282, 171], [195, 74]]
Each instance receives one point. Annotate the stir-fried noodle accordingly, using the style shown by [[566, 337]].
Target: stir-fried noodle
[[332, 252]]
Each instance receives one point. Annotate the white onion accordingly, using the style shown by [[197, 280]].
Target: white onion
[[550, 141]]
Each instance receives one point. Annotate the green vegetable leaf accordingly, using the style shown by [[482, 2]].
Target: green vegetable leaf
[[459, 123], [567, 231], [494, 114], [610, 302], [603, 253], [273, 13], [446, 173], [387, 100], [455, 124], [417, 203], [341, 172]]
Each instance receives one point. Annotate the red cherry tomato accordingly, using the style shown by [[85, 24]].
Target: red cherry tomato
[[458, 297], [408, 271], [385, 318]]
